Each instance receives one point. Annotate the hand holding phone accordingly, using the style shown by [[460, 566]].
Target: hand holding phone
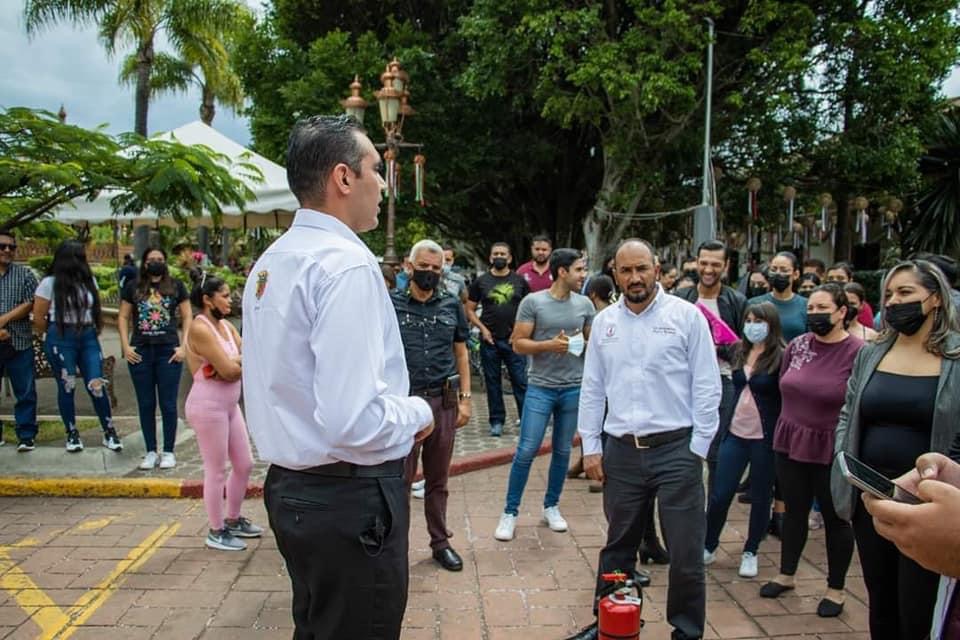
[[872, 481]]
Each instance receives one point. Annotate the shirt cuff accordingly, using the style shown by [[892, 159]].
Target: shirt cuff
[[424, 413], [592, 444], [700, 445]]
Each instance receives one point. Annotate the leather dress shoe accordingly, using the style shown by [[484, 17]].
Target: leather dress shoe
[[448, 559], [587, 633]]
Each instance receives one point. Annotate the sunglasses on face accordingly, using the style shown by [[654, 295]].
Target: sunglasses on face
[[5, 246]]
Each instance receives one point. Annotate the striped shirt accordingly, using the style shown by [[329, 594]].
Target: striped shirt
[[16, 287]]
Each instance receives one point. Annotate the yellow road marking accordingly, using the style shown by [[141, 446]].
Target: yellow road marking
[[53, 621], [93, 525]]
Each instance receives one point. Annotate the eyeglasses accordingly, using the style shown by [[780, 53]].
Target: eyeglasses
[[4, 246]]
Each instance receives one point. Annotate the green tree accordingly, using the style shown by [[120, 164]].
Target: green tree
[[191, 26], [45, 164]]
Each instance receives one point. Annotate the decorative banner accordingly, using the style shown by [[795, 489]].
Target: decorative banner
[[418, 176], [789, 195], [797, 230], [390, 159], [860, 205], [825, 201], [753, 201], [892, 216]]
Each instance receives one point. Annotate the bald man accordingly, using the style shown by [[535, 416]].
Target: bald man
[[651, 359]]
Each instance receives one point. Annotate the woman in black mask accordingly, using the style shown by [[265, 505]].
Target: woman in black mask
[[808, 282], [153, 301], [902, 401], [757, 284]]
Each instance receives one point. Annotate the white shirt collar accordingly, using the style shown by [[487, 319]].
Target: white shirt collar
[[658, 298], [320, 220]]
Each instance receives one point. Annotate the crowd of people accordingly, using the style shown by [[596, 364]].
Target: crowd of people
[[659, 369]]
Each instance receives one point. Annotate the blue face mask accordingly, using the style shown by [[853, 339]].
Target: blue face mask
[[756, 332]]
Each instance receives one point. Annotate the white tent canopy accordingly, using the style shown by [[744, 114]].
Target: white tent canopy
[[272, 205]]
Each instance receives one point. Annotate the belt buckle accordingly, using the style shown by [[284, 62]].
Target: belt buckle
[[636, 443]]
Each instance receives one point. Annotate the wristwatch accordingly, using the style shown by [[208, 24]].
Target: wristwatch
[[465, 395]]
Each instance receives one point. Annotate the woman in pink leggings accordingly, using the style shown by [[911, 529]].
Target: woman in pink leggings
[[213, 355]]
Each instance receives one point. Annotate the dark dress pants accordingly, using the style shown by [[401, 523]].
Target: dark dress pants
[[673, 474], [902, 593], [344, 541], [437, 451]]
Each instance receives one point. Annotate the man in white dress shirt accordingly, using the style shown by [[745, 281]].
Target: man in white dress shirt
[[651, 357], [327, 394]]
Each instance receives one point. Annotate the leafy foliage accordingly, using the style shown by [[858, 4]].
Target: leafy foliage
[[45, 164], [935, 227]]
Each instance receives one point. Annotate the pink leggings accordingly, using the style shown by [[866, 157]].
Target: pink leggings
[[221, 435]]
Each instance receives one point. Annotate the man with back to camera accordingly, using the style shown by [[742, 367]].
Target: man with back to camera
[[651, 357], [17, 285], [537, 271], [500, 291], [729, 305], [327, 394], [434, 330]]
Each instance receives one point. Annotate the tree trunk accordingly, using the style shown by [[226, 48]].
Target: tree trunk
[[602, 232], [208, 108], [142, 93]]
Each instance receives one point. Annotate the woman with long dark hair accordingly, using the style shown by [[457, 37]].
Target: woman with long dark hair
[[756, 383], [213, 410], [153, 353], [902, 401], [66, 307]]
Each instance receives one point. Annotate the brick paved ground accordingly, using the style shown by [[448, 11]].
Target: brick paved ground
[[61, 557]]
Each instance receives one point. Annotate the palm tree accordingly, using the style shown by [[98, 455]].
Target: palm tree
[[209, 68], [935, 227], [189, 25]]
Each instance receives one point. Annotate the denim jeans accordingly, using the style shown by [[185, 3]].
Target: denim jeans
[[19, 367], [156, 377], [539, 404], [491, 357], [726, 417], [77, 348], [735, 453]]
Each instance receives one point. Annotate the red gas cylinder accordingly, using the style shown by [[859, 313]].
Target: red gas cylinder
[[618, 614]]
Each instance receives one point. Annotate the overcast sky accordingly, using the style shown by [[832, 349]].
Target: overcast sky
[[66, 64]]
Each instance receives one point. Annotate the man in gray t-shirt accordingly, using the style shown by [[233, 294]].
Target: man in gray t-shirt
[[552, 327]]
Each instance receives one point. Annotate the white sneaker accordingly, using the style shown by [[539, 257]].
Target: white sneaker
[[505, 529], [709, 557], [748, 565], [418, 489], [168, 460], [149, 461], [551, 515]]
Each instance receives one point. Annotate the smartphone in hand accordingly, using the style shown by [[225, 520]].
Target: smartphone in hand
[[868, 479]]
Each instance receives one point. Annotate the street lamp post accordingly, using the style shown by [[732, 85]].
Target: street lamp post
[[393, 100]]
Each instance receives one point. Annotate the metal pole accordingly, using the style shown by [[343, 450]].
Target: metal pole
[[704, 225], [389, 252]]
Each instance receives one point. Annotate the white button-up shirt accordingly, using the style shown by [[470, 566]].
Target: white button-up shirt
[[324, 375], [657, 371]]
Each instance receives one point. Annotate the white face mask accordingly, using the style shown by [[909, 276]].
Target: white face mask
[[576, 344], [756, 332]]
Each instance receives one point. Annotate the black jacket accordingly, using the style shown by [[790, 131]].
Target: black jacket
[[766, 393], [732, 305]]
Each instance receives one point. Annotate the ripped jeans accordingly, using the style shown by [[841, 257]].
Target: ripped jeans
[[77, 348]]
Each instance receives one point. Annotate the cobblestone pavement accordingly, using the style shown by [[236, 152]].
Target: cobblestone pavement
[[137, 569]]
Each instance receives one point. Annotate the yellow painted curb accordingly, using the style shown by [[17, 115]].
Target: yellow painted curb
[[91, 487]]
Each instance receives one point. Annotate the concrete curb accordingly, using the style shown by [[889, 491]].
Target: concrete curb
[[176, 488]]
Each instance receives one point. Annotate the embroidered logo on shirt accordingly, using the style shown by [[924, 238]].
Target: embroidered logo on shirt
[[261, 283], [802, 353], [611, 331], [665, 331]]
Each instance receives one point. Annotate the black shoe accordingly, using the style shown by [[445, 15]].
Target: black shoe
[[587, 633], [744, 498], [26, 445], [829, 608], [448, 559], [653, 552], [774, 590], [111, 440], [775, 528]]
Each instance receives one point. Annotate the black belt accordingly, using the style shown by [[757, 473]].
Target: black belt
[[655, 439], [388, 469], [428, 392]]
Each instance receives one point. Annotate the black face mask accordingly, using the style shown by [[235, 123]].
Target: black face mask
[[693, 274], [754, 292], [906, 317], [779, 281], [425, 279], [820, 323], [805, 294], [499, 263], [157, 268]]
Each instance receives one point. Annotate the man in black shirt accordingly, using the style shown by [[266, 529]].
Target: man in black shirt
[[499, 292], [434, 330]]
